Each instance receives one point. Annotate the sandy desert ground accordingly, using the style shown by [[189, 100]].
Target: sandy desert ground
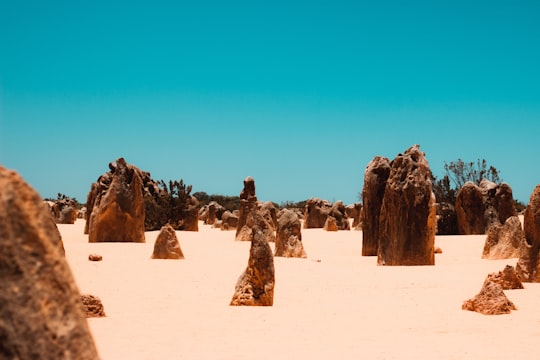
[[334, 305]]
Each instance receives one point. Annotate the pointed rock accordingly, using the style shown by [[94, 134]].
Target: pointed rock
[[490, 301], [118, 206], [167, 245], [289, 235], [255, 287], [504, 241]]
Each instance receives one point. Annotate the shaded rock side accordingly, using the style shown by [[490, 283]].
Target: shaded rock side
[[289, 235], [255, 287], [375, 178], [504, 241], [354, 211], [408, 218], [507, 278], [470, 210], [269, 212], [528, 266], [118, 213], [167, 245], [190, 221], [40, 305], [490, 301], [531, 219], [446, 219], [339, 212], [504, 202], [229, 220]]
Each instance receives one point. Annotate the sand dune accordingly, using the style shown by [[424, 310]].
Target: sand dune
[[335, 304]]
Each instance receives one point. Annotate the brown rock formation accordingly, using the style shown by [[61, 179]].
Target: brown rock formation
[[256, 220], [375, 178], [339, 213], [354, 211], [504, 202], [248, 202], [255, 287], [167, 245], [289, 235], [408, 215], [330, 224], [446, 219], [470, 210], [92, 306], [211, 213], [507, 278], [316, 213], [95, 257], [490, 301], [478, 208], [229, 220], [528, 267], [40, 310], [190, 221], [269, 212], [64, 211], [118, 211], [504, 241]]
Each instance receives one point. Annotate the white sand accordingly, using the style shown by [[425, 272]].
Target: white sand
[[343, 307]]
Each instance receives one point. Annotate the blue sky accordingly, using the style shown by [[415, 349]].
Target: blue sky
[[301, 95]]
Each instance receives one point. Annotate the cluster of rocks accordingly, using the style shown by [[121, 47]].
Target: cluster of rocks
[[509, 241], [478, 208], [125, 202], [491, 300], [399, 212], [40, 304], [322, 214], [63, 211]]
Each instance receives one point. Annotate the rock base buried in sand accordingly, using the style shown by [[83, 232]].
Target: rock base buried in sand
[[490, 301], [255, 287]]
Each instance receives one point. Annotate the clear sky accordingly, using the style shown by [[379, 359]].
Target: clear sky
[[301, 95]]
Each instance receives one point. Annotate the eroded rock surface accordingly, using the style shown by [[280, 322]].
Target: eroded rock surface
[[40, 306]]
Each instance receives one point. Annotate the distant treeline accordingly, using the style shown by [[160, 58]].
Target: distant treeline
[[232, 203]]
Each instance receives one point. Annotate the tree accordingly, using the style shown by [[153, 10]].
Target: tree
[[459, 172], [169, 205]]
